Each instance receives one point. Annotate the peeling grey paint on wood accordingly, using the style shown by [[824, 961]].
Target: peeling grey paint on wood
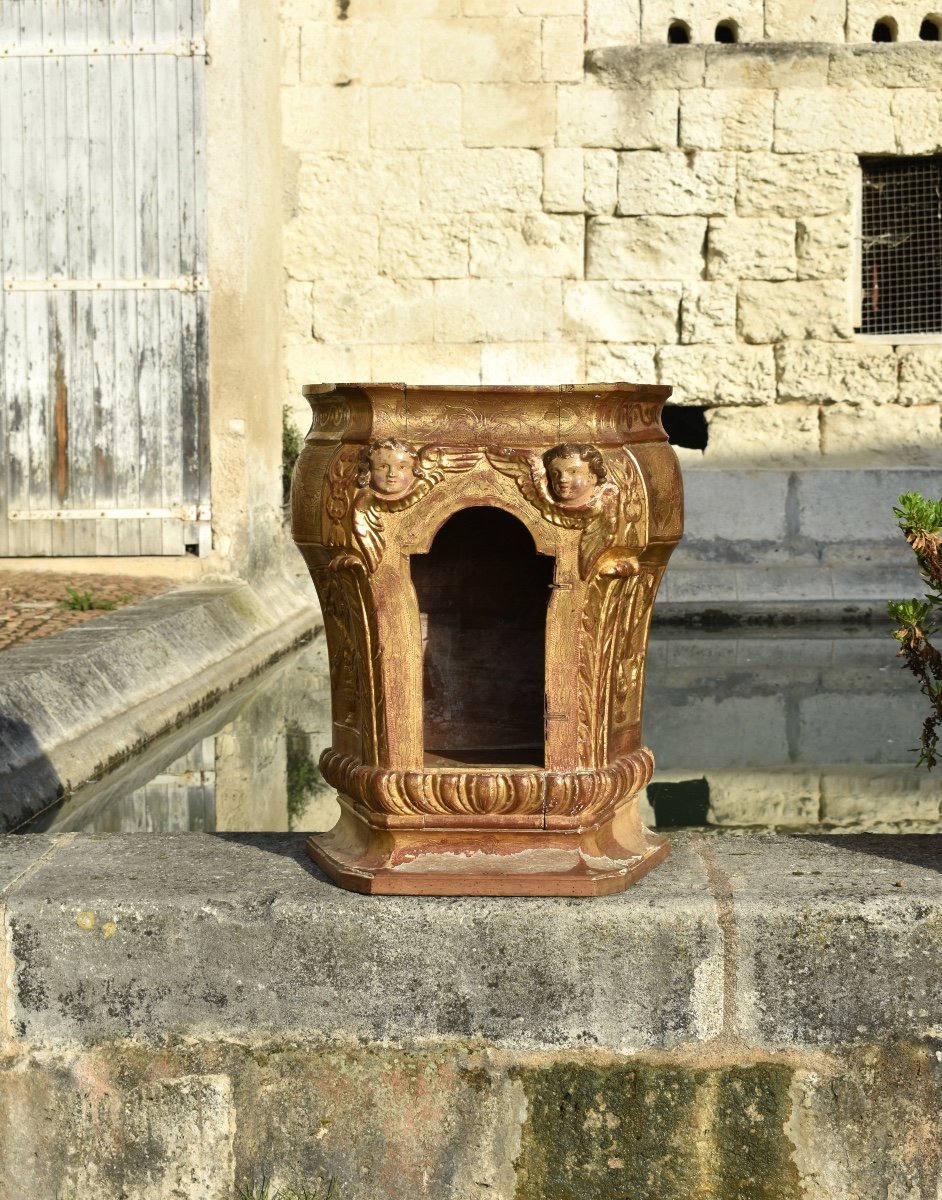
[[103, 391]]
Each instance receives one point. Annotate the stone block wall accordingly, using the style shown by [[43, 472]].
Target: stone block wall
[[547, 192]]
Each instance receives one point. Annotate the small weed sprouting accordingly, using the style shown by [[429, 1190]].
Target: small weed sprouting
[[919, 621], [87, 601], [303, 773], [291, 445]]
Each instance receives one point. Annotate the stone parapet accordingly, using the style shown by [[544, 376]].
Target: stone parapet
[[744, 1021]]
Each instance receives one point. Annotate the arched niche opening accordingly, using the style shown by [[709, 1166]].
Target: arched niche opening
[[483, 591], [884, 30]]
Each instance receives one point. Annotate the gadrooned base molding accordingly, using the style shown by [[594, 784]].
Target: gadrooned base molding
[[598, 861]]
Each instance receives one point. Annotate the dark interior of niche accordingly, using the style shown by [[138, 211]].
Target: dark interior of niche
[[883, 32], [678, 34], [929, 30], [685, 425], [483, 591]]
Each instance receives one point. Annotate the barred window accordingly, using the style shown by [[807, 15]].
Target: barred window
[[901, 246]]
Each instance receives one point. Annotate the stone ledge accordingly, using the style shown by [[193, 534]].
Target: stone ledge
[[760, 944], [76, 703]]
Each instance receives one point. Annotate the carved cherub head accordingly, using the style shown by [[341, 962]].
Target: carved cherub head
[[388, 466], [575, 472]]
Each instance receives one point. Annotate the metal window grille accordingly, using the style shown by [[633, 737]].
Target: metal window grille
[[901, 246]]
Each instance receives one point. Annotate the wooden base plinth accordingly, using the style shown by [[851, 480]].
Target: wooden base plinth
[[472, 862]]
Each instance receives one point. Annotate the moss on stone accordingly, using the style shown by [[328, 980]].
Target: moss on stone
[[624, 1132]]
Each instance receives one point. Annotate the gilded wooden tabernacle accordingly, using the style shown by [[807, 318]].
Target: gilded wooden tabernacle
[[487, 560]]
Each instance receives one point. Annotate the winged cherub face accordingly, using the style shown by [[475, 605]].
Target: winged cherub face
[[571, 478], [391, 473]]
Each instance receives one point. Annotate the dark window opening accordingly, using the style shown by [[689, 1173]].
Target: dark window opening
[[678, 34], [901, 246], [483, 591], [929, 30], [727, 33], [884, 31], [685, 425], [680, 804]]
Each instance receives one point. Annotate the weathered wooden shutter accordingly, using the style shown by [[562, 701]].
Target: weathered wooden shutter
[[103, 301]]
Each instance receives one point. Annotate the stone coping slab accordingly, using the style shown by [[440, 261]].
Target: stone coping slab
[[76, 703], [750, 943]]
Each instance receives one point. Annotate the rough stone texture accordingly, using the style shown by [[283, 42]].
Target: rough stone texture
[[481, 180], [647, 1044], [907, 16], [521, 247], [616, 361], [825, 372], [509, 114], [823, 247], [794, 185], [656, 16], [679, 184], [915, 65], [751, 248], [563, 181], [772, 312], [805, 20], [783, 63], [601, 181], [725, 375], [779, 435], [853, 121], [856, 436], [920, 374], [623, 312], [650, 67], [645, 247], [567, 145], [495, 310], [727, 119], [821, 986], [422, 249], [210, 910], [623, 120], [708, 313]]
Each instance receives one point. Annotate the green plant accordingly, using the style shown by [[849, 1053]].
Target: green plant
[[303, 773], [86, 601], [291, 443], [919, 621]]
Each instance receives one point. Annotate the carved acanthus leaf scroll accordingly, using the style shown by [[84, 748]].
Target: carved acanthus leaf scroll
[[354, 510], [609, 519]]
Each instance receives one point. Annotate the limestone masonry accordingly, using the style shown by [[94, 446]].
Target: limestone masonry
[[547, 191]]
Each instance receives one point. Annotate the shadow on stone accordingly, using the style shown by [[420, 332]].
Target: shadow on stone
[[29, 783], [914, 849]]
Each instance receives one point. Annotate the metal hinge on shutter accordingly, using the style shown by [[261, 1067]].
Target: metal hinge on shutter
[[184, 512], [182, 283], [184, 49]]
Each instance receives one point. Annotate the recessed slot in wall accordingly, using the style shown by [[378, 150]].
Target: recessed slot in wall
[[685, 425], [884, 30], [727, 33], [678, 33], [929, 29], [681, 804]]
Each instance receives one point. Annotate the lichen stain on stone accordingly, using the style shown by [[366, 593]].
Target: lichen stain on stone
[[653, 1131], [85, 920], [109, 929]]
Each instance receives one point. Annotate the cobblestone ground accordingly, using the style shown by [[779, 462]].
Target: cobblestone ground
[[31, 602]]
